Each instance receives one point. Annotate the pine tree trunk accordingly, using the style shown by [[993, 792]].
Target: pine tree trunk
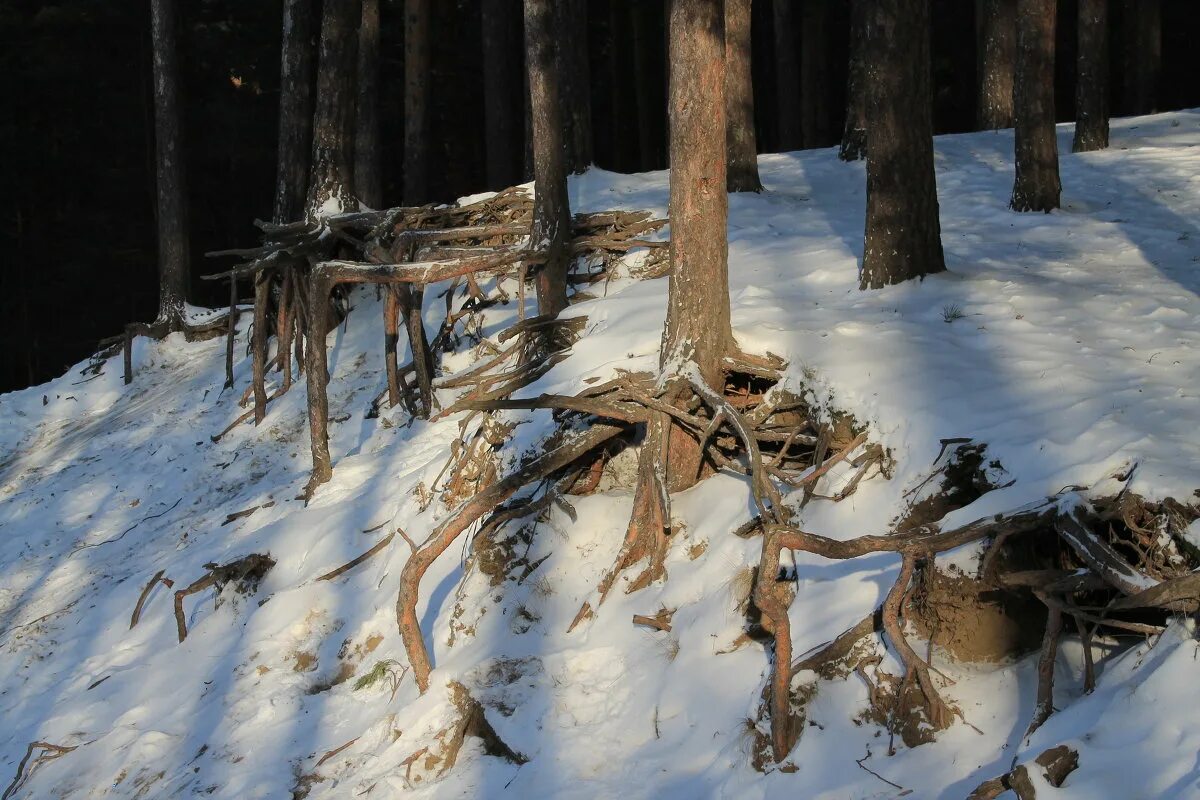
[[332, 184], [1141, 28], [903, 232], [368, 169], [741, 146], [814, 73], [1037, 185], [787, 77], [551, 209], [502, 94], [416, 101], [576, 83], [174, 269], [297, 80], [997, 63], [854, 136], [1091, 83], [698, 328]]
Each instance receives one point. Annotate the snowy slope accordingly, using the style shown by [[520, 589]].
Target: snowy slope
[[1067, 342]]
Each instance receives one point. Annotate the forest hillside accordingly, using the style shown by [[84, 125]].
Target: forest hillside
[[176, 621]]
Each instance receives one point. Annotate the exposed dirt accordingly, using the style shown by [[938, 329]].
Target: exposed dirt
[[976, 622]]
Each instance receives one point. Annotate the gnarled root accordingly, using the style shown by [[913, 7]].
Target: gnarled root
[[773, 597], [553, 460], [650, 522], [940, 715]]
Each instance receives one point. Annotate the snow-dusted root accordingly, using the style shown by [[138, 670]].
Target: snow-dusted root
[[1073, 558], [558, 456], [403, 251]]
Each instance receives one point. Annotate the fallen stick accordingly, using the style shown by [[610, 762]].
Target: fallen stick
[[652, 622], [354, 562]]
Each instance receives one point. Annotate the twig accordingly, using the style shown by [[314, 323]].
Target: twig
[[335, 751], [860, 763], [127, 530]]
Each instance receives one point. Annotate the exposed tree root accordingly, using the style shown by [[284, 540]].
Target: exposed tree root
[[557, 457], [49, 753], [141, 601], [1045, 692], [244, 573]]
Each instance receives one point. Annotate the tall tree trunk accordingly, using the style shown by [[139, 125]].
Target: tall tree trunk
[[854, 136], [697, 334], [787, 77], [1141, 28], [814, 73], [903, 233], [174, 270], [416, 101], [1037, 185], [698, 328], [502, 94], [332, 184], [368, 169], [997, 62], [576, 83], [1091, 80], [551, 208], [297, 80], [740, 145]]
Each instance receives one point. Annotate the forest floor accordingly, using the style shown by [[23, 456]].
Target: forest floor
[[1068, 343]]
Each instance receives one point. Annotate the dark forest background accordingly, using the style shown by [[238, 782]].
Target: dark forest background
[[77, 229]]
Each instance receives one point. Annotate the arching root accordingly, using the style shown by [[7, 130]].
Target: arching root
[[554, 459]]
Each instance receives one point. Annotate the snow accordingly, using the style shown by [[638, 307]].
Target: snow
[[1066, 342]]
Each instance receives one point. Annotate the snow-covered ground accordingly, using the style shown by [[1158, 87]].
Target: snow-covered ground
[[1067, 342]]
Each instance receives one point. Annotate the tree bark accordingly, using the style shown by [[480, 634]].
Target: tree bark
[[814, 74], [416, 101], [296, 84], [551, 209], [174, 267], [368, 168], [502, 94], [332, 184], [997, 62], [903, 232], [1141, 28], [740, 144], [787, 77], [576, 83], [1091, 80], [1037, 185], [854, 136], [698, 328]]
